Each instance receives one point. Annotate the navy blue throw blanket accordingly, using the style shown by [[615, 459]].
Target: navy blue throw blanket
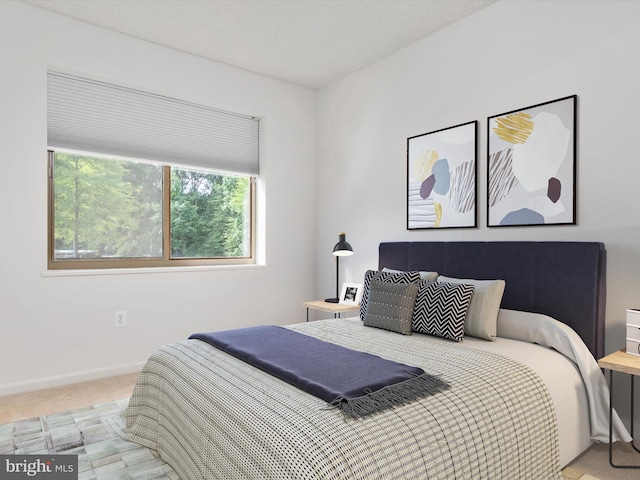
[[358, 383]]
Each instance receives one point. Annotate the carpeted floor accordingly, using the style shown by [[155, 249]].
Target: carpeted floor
[[596, 461], [91, 434]]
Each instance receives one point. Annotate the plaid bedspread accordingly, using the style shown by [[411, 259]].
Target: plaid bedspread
[[211, 415]]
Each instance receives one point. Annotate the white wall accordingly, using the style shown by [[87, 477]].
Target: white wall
[[59, 329], [511, 55]]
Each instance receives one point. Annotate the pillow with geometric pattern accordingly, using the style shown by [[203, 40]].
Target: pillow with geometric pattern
[[441, 308], [482, 316], [388, 277]]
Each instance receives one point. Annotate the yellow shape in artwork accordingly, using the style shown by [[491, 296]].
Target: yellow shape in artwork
[[424, 163], [514, 128], [438, 209]]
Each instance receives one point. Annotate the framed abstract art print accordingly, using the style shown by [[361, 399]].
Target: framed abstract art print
[[441, 178], [531, 174]]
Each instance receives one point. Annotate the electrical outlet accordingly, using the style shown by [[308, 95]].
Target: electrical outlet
[[120, 318]]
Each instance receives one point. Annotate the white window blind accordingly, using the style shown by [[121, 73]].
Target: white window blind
[[92, 116]]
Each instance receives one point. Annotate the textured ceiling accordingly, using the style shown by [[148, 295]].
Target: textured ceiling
[[307, 42]]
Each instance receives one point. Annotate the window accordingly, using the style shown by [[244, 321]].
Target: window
[[168, 183], [107, 212], [210, 215]]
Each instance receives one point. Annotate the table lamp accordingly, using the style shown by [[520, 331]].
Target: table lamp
[[342, 249]]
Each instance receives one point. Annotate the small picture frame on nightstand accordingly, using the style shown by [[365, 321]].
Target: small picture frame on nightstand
[[633, 331], [351, 293]]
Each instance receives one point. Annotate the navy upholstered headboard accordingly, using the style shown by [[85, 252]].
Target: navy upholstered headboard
[[565, 280]]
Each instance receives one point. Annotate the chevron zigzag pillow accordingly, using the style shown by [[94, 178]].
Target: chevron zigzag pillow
[[482, 317], [387, 277], [441, 308]]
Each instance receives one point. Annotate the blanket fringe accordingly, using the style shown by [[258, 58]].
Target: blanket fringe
[[400, 393]]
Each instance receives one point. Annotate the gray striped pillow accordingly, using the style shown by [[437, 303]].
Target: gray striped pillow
[[387, 277], [391, 306]]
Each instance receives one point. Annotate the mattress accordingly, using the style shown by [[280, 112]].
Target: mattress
[[564, 382], [514, 410]]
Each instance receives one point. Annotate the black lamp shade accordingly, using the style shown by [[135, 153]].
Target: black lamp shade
[[342, 248]]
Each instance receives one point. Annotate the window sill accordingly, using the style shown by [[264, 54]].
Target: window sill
[[146, 270]]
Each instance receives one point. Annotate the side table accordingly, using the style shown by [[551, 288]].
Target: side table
[[335, 308], [623, 362]]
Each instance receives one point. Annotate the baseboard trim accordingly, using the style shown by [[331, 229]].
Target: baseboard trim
[[68, 379]]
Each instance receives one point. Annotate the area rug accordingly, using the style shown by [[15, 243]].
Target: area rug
[[91, 433]]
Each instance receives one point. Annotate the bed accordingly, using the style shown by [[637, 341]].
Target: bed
[[522, 404]]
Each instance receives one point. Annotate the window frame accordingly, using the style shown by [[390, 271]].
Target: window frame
[[137, 262]]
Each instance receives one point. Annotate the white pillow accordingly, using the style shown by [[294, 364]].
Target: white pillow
[[482, 316], [430, 276]]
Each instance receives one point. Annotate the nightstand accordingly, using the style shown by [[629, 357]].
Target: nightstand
[[623, 362], [335, 308]]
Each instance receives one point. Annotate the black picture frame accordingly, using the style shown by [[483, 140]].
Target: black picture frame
[[442, 178], [531, 165]]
